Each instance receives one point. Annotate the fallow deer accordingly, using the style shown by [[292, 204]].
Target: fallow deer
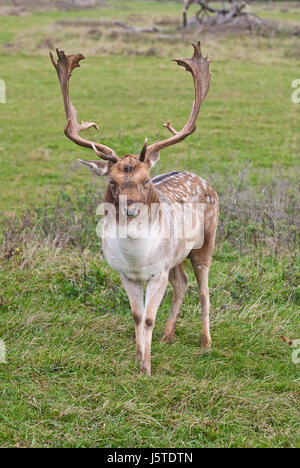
[[154, 260]]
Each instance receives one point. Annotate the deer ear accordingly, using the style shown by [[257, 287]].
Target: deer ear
[[153, 158], [99, 168]]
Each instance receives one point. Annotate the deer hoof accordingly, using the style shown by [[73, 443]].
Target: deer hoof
[[146, 369], [167, 338], [206, 343]]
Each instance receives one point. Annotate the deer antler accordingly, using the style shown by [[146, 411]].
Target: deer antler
[[199, 67], [64, 67]]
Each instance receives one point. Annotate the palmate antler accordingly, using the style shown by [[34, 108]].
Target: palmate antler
[[64, 67], [199, 67]]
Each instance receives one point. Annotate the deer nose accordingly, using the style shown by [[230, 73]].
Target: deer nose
[[131, 211], [129, 207]]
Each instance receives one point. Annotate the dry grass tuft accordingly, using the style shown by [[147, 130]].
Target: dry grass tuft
[[266, 215]]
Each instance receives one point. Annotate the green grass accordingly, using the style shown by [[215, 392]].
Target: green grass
[[70, 378], [233, 128]]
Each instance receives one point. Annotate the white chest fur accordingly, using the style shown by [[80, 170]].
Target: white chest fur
[[141, 257]]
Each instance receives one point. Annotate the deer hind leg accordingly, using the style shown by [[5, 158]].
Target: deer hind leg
[[201, 259], [179, 281]]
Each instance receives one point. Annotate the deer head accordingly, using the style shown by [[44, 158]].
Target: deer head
[[130, 175]]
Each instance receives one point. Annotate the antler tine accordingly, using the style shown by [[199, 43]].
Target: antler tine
[[99, 153], [64, 67], [170, 128], [198, 66], [144, 151]]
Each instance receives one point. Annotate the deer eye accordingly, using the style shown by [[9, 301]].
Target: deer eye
[[146, 183], [112, 184]]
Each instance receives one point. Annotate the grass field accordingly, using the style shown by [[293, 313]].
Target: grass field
[[70, 379]]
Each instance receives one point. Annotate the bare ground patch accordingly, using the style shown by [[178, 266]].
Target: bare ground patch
[[93, 36]]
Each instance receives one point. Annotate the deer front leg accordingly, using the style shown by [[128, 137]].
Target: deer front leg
[[135, 292], [154, 294]]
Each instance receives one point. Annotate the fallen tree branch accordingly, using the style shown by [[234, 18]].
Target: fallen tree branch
[[127, 27], [221, 13]]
